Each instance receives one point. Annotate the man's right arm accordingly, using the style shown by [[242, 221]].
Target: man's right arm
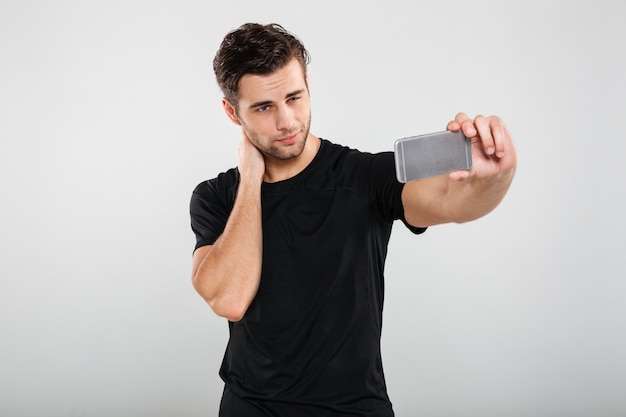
[[227, 274]]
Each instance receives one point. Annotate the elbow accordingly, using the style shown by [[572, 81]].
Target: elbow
[[221, 305], [230, 311]]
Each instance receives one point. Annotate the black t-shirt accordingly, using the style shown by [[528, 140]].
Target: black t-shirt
[[309, 344]]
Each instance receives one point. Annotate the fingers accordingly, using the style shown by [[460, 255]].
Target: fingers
[[489, 131], [495, 138], [484, 132], [251, 163], [462, 121], [498, 131]]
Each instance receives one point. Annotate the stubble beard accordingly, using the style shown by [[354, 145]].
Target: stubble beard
[[270, 148]]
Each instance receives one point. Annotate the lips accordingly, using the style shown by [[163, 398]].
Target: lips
[[288, 140]]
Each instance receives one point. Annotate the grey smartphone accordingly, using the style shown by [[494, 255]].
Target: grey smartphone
[[433, 154]]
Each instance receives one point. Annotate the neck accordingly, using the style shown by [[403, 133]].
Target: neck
[[280, 170]]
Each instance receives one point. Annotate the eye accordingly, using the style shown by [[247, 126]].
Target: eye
[[263, 109], [294, 98]]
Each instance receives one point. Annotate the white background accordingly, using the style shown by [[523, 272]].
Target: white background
[[110, 115]]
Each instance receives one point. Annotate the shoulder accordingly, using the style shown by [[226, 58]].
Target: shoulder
[[223, 180], [367, 173], [221, 188], [354, 157], [371, 164], [211, 204]]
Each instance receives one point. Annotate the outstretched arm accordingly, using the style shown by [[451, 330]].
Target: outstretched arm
[[227, 274], [466, 195]]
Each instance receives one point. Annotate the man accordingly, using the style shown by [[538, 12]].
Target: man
[[291, 244]]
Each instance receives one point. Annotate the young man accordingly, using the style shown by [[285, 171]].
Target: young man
[[291, 244]]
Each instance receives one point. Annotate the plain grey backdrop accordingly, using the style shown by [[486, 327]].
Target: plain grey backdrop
[[110, 115]]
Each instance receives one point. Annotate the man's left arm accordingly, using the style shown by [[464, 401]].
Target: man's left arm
[[466, 195]]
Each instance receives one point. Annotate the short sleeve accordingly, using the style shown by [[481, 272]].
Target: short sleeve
[[210, 206], [386, 191]]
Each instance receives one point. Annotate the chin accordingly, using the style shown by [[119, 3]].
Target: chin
[[291, 152], [286, 152]]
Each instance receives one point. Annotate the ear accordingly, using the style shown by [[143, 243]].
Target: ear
[[230, 110]]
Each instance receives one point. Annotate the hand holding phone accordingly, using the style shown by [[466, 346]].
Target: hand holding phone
[[433, 154]]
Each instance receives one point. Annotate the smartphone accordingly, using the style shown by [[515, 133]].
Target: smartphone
[[424, 156]]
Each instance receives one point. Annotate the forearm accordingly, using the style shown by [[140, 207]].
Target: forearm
[[227, 274], [441, 199]]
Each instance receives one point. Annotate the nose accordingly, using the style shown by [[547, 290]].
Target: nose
[[284, 118]]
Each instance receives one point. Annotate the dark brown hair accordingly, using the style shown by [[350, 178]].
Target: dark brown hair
[[255, 49]]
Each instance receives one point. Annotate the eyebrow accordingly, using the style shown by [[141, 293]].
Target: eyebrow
[[266, 102]]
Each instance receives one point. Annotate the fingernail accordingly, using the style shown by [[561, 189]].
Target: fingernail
[[490, 150], [500, 154]]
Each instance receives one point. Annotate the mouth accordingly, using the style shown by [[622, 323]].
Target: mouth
[[288, 140]]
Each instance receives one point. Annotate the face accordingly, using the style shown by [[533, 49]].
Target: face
[[274, 111]]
